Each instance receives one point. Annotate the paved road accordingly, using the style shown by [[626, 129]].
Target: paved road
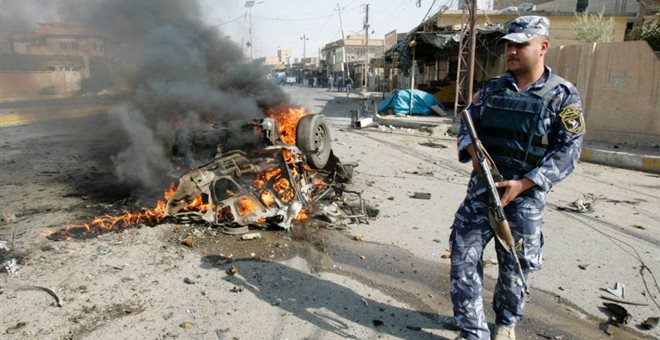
[[393, 284], [613, 243]]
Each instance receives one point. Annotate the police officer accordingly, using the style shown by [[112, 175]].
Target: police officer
[[530, 122]]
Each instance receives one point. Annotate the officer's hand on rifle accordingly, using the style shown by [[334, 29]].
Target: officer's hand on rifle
[[513, 188]]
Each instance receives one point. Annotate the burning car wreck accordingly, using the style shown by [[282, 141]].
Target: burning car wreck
[[278, 170], [272, 181]]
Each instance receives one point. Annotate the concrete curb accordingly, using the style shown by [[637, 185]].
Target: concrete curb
[[617, 159], [621, 159]]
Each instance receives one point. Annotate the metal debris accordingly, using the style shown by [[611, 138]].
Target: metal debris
[[626, 302], [649, 323], [50, 292], [618, 290], [236, 289], [585, 204], [10, 266], [433, 144], [422, 195], [16, 328], [619, 315]]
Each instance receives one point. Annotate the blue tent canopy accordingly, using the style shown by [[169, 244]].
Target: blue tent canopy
[[399, 103]]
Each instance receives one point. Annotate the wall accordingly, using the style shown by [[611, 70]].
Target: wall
[[619, 84], [34, 84]]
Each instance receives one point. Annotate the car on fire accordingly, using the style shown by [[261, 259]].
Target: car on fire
[[271, 176]]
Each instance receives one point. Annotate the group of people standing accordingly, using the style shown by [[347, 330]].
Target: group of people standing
[[340, 83]]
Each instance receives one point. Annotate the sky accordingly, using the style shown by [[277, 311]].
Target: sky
[[281, 24]]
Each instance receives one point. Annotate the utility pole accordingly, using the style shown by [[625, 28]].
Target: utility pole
[[343, 47], [413, 69], [366, 47], [473, 47], [249, 4], [466, 58], [304, 38]]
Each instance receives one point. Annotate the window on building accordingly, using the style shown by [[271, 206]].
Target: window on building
[[69, 45]]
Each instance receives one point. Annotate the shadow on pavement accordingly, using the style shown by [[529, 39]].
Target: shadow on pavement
[[326, 304]]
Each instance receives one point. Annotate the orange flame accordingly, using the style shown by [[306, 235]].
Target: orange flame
[[246, 205], [284, 190], [288, 120], [107, 223], [266, 175], [301, 217], [267, 198]]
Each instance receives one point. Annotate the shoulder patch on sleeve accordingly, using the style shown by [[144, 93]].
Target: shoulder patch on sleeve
[[572, 119]]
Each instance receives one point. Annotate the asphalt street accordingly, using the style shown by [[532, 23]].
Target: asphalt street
[[385, 279]]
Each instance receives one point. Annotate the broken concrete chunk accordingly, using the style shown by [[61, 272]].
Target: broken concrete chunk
[[8, 216], [191, 280], [422, 195], [189, 241], [251, 236], [445, 255]]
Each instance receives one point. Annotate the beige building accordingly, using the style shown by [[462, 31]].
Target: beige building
[[356, 54], [284, 56], [57, 39], [51, 61]]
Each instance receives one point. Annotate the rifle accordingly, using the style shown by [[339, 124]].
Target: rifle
[[496, 210]]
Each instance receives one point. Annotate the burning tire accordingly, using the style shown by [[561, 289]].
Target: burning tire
[[313, 139]]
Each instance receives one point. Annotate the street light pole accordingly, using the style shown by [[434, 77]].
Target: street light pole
[[249, 4], [343, 47], [304, 38]]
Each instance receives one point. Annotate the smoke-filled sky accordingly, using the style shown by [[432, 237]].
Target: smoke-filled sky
[[187, 75], [275, 23], [282, 23]]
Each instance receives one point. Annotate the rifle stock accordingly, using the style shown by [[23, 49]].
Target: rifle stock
[[501, 228]]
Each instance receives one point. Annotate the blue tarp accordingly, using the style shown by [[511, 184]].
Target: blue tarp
[[399, 102]]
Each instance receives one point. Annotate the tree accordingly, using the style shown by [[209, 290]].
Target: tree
[[649, 31], [594, 28]]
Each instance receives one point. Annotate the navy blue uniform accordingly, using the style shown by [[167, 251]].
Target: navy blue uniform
[[538, 135]]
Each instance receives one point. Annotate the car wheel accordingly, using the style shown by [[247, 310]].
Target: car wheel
[[313, 139]]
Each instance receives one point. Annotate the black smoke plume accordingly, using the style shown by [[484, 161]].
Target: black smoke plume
[[184, 76]]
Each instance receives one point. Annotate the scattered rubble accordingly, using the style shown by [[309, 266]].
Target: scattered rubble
[[618, 314], [58, 300], [433, 144], [232, 270], [251, 236], [618, 290], [422, 195], [649, 324], [585, 204]]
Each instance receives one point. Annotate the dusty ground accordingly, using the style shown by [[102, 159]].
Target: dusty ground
[[312, 282]]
